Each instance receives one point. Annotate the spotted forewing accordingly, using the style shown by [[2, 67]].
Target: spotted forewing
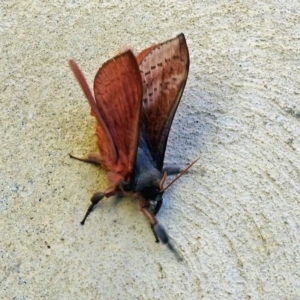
[[164, 69]]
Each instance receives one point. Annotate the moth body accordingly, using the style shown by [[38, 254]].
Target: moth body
[[147, 178], [134, 103]]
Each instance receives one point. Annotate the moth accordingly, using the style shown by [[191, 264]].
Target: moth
[[134, 103]]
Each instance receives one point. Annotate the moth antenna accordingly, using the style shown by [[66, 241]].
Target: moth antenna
[[162, 182], [182, 173]]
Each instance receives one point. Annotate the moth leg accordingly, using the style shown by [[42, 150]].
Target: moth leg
[[96, 198], [92, 158], [157, 229], [126, 186], [172, 170], [155, 235], [157, 207], [159, 232]]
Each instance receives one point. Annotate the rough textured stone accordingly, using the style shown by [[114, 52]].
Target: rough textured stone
[[234, 217]]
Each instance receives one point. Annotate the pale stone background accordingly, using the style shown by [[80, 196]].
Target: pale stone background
[[234, 217]]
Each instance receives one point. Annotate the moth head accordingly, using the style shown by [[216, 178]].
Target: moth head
[[148, 184]]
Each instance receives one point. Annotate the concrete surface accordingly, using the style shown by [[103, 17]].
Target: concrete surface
[[234, 217]]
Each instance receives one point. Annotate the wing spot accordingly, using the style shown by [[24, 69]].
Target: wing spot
[[150, 94], [153, 67], [145, 100], [160, 64], [147, 73], [163, 84]]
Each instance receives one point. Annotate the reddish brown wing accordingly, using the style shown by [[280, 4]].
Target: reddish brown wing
[[164, 69], [144, 53], [107, 150], [118, 93], [117, 107]]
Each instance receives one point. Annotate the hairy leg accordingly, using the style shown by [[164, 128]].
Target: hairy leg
[[96, 198], [157, 207], [92, 158], [159, 232], [172, 170]]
